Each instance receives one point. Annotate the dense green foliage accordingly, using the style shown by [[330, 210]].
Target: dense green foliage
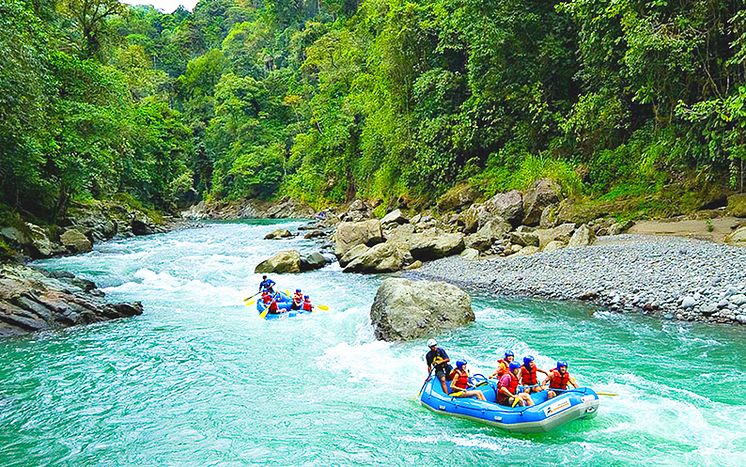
[[324, 101]]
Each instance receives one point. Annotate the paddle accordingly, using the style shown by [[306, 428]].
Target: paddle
[[263, 314], [249, 303], [429, 375]]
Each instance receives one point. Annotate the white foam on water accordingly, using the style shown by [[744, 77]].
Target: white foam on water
[[374, 361]]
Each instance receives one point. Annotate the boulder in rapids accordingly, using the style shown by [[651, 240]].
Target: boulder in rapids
[[313, 261], [282, 262], [405, 309], [278, 233]]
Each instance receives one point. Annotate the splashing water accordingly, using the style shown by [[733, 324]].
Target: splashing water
[[200, 379]]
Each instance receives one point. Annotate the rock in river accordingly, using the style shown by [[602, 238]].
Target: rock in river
[[405, 309], [279, 233], [75, 241], [32, 301], [284, 261]]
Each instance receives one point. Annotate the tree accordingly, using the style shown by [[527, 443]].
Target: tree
[[89, 18]]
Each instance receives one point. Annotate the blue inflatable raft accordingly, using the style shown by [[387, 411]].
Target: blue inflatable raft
[[544, 415], [283, 306]]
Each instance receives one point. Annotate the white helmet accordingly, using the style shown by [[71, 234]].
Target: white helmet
[[432, 342]]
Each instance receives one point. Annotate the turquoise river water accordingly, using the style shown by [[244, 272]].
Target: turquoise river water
[[199, 379]]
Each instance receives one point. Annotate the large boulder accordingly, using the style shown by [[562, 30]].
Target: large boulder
[[313, 261], [284, 261], [384, 257], [41, 245], [357, 211], [75, 242], [352, 254], [561, 233], [583, 236], [494, 229], [405, 309], [33, 300], [277, 234], [542, 194], [737, 205], [524, 238], [394, 217], [434, 244], [508, 206], [351, 234]]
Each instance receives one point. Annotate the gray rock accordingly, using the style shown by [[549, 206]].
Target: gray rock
[[494, 229], [524, 238], [738, 299], [583, 236], [435, 244], [315, 234], [542, 194], [738, 237], [352, 254], [394, 217], [477, 242], [554, 245], [470, 254], [527, 250], [41, 244], [75, 242], [277, 234], [383, 257], [549, 217], [506, 206], [15, 235], [313, 261], [351, 234], [282, 262], [405, 309], [688, 302]]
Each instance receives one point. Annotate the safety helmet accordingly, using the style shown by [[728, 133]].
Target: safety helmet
[[432, 342], [460, 364], [561, 363], [509, 353], [297, 290], [306, 297], [527, 360], [514, 365], [264, 277]]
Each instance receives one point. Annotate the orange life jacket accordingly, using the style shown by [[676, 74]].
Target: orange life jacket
[[512, 387], [529, 375], [461, 377], [557, 380], [503, 367]]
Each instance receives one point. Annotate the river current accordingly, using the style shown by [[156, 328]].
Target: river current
[[200, 379]]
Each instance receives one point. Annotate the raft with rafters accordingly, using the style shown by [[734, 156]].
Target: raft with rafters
[[544, 415], [283, 306]]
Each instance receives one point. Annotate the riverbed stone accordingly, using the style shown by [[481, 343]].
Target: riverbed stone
[[383, 257], [554, 245], [470, 254], [403, 311], [286, 261], [434, 244], [583, 236], [277, 234], [524, 238], [394, 217], [353, 253], [543, 193], [75, 242], [351, 234], [738, 299], [737, 237]]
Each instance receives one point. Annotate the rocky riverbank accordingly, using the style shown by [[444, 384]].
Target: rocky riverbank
[[671, 277], [33, 300]]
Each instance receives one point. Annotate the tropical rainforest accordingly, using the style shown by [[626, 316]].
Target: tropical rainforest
[[327, 100]]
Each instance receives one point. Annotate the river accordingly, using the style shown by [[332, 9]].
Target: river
[[200, 379]]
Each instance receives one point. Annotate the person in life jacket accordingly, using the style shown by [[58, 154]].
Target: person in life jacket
[[297, 300], [460, 383], [437, 359], [307, 305], [503, 364], [267, 285], [271, 302], [507, 388], [558, 379], [528, 378]]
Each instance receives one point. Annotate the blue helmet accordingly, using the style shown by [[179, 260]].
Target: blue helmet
[[306, 297], [297, 290], [514, 366], [561, 363], [460, 364], [509, 353], [527, 360]]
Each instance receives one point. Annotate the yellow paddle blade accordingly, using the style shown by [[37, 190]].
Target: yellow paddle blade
[[516, 400], [287, 292], [250, 302], [322, 307], [456, 394], [607, 394], [263, 314]]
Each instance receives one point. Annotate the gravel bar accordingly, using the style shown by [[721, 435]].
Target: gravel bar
[[673, 277]]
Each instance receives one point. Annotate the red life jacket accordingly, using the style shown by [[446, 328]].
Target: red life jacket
[[512, 387], [307, 305], [462, 379], [558, 380], [270, 302], [529, 375]]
